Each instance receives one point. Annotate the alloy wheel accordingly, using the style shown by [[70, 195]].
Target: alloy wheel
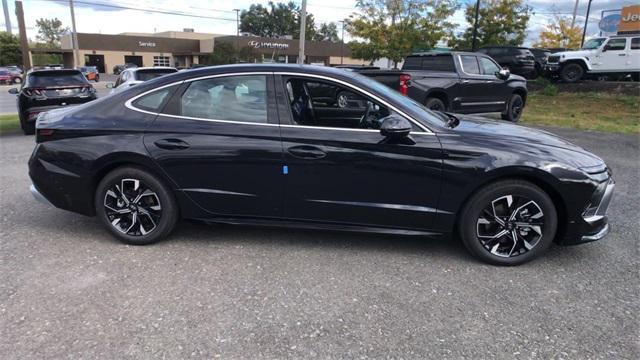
[[516, 108], [343, 102], [510, 226], [132, 207]]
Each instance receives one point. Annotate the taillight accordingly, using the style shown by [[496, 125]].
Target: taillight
[[30, 92], [404, 83], [45, 132]]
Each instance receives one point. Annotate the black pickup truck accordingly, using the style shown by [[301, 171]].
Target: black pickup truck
[[459, 82]]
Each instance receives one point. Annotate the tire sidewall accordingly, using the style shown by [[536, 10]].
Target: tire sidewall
[[563, 73], [484, 197], [169, 209]]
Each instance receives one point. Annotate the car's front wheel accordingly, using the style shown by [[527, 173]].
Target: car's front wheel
[[135, 206], [571, 72], [508, 222]]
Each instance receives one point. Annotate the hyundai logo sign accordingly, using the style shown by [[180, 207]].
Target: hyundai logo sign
[[610, 23], [267, 45]]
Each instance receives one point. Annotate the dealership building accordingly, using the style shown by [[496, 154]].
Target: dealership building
[[186, 48]]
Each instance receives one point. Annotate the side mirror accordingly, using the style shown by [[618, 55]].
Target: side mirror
[[14, 91], [503, 74], [109, 85], [395, 127]]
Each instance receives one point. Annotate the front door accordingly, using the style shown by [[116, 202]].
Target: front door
[[218, 140], [341, 171], [478, 90], [613, 56]]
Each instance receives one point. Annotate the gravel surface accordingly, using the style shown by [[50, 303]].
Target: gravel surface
[[68, 289]]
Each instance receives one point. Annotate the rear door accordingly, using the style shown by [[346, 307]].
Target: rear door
[[343, 172], [613, 56], [219, 141], [633, 60]]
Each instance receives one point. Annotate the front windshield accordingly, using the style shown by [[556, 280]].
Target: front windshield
[[394, 95], [593, 43]]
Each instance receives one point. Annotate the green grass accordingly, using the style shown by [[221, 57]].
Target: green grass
[[586, 111], [9, 123]]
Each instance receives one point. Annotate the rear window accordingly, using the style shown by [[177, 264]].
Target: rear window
[[635, 43], [57, 78], [430, 62], [144, 75]]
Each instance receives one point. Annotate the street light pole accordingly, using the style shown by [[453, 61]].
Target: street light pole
[[237, 33], [586, 23], [342, 43], [7, 19], [76, 54], [474, 42], [303, 27]]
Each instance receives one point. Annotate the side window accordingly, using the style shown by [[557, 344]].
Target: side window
[[237, 98], [412, 63], [327, 104], [469, 64], [155, 101], [635, 43], [616, 44], [488, 67]]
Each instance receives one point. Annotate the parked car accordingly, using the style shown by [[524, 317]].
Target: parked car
[[460, 82], [9, 77], [120, 68], [133, 76], [541, 56], [44, 90], [90, 72], [14, 69], [246, 144], [519, 60], [610, 56]]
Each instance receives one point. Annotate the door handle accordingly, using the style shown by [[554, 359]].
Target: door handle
[[622, 54], [306, 152], [171, 144]]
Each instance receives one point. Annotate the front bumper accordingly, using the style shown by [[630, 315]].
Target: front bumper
[[38, 196], [595, 226], [552, 68]]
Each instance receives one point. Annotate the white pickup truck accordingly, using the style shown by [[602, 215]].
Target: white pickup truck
[[611, 56]]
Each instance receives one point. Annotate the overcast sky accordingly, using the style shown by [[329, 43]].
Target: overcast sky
[[217, 16]]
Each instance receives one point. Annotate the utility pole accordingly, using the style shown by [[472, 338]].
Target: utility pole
[[575, 12], [7, 19], [474, 42], [586, 23], [303, 27], [24, 42], [76, 53], [342, 43], [237, 33]]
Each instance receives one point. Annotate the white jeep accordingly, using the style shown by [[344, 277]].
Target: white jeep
[[610, 56]]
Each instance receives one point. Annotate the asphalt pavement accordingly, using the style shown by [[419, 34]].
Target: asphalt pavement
[[69, 290]]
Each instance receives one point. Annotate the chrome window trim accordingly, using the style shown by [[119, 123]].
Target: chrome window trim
[[129, 102], [485, 76]]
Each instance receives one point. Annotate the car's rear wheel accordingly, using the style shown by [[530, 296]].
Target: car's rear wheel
[[435, 104], [17, 80], [508, 222], [97, 78], [571, 72], [135, 206], [514, 109]]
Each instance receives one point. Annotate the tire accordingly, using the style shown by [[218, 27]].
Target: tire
[[152, 217], [535, 222], [435, 104], [571, 72], [27, 128], [17, 80], [97, 78], [515, 107]]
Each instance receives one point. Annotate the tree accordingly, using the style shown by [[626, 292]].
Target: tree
[[558, 33], [50, 31], [327, 32], [10, 53], [276, 20], [501, 22], [394, 28]]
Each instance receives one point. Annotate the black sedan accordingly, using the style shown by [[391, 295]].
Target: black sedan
[[248, 144], [45, 90]]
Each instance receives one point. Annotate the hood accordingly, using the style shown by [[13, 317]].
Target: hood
[[574, 54], [501, 132]]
